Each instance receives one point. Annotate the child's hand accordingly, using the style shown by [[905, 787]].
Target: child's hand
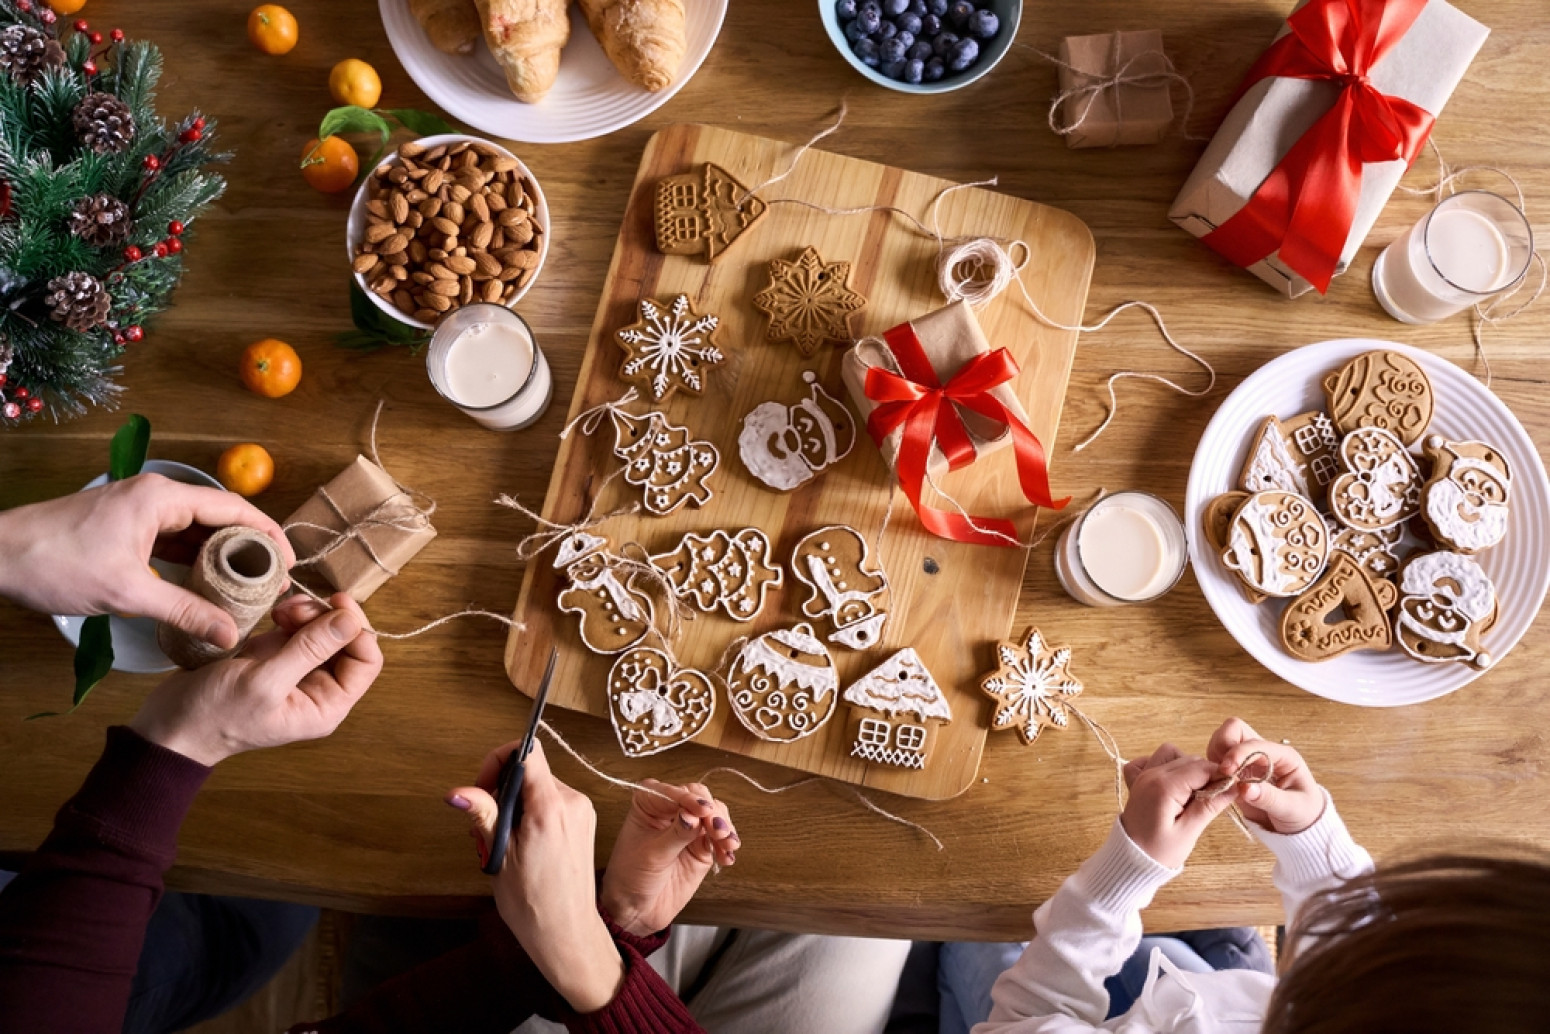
[[1162, 816], [662, 853], [1290, 802]]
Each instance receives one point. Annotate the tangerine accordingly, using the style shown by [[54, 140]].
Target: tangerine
[[330, 165], [66, 6], [353, 81], [270, 368], [246, 469], [272, 28]]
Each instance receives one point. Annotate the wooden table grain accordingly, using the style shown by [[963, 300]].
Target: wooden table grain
[[356, 820]]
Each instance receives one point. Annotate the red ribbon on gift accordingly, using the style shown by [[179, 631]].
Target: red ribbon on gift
[[1307, 204], [927, 411]]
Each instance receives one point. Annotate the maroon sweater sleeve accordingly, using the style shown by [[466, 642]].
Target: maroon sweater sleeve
[[73, 920]]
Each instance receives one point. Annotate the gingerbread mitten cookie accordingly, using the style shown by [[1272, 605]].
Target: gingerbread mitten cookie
[[847, 586]]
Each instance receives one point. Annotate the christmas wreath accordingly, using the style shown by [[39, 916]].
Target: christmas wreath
[[96, 192]]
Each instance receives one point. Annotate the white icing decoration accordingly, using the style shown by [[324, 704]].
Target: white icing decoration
[[626, 614], [1445, 588], [671, 345], [1383, 483], [858, 614], [1460, 515], [654, 707], [1272, 465], [1033, 682], [577, 546], [898, 688], [671, 467], [785, 446], [722, 570], [779, 697], [1277, 542]]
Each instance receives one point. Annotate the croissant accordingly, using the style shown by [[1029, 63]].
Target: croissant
[[645, 39], [451, 25], [526, 37]]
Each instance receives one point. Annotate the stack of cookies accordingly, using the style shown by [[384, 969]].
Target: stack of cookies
[[1371, 544]]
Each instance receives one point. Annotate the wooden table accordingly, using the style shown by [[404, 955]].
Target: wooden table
[[356, 821]]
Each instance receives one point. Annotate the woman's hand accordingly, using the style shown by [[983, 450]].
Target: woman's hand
[[1290, 801], [89, 553], [1162, 816], [664, 849], [546, 891], [294, 683]]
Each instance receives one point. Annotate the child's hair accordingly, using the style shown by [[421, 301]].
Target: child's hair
[[1453, 943]]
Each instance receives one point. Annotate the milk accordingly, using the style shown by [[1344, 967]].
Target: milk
[[1470, 247], [1129, 548], [484, 360]]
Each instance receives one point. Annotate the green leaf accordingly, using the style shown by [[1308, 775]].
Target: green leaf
[[352, 119], [127, 454], [420, 123], [93, 661], [375, 328]]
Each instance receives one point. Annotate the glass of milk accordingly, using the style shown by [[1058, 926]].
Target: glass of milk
[[1473, 245], [484, 360], [1129, 548]]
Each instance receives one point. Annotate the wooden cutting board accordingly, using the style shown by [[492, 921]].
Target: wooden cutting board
[[951, 602]]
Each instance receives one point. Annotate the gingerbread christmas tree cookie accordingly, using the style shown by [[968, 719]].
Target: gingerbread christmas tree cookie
[[808, 301], [660, 458], [670, 348], [733, 572], [1031, 686], [702, 212], [654, 706]]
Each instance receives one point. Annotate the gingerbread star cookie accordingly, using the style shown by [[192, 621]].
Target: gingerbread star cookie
[[1031, 686], [808, 301], [670, 348]]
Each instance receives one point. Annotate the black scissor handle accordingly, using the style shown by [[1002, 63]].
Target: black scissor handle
[[508, 798]]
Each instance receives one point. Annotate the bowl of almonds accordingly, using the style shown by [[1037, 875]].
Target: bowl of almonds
[[443, 222]]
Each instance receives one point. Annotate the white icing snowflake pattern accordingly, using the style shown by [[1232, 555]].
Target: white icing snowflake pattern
[[669, 347], [1031, 686]]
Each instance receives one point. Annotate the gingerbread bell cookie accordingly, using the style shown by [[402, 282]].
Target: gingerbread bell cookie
[[655, 706], [731, 571], [1346, 609], [897, 706], [1381, 389], [615, 615], [1446, 603], [1465, 502], [669, 348], [1382, 484], [847, 586], [1277, 543], [782, 686], [702, 212], [1031, 686], [809, 301], [787, 446], [661, 459]]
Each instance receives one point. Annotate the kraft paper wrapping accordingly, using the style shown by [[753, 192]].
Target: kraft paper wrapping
[[1124, 114]]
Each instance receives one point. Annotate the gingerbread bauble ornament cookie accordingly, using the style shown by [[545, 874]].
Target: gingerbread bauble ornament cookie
[[1465, 503], [783, 685], [786, 446], [734, 572], [669, 348], [655, 706], [1380, 389], [661, 459], [809, 301], [615, 615], [848, 587], [1277, 543]]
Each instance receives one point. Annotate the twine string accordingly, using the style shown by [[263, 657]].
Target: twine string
[[1230, 783], [1094, 86], [791, 165], [550, 532], [589, 419]]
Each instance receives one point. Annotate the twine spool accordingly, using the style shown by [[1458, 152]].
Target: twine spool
[[238, 570]]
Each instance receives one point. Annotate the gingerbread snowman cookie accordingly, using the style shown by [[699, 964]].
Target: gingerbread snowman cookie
[[1382, 484], [783, 685], [731, 571], [655, 706], [1277, 543], [1465, 503], [615, 615], [1446, 603], [1381, 389], [847, 586]]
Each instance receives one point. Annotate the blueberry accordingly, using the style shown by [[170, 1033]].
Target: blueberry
[[905, 38], [944, 43], [909, 23], [964, 53], [894, 8], [869, 17], [930, 26], [921, 52], [937, 7], [984, 24], [935, 69], [854, 31], [914, 71], [866, 51], [894, 70], [891, 52], [845, 10], [960, 12], [917, 8]]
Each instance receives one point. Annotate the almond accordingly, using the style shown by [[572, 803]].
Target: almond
[[364, 264], [465, 291], [403, 299], [509, 293], [458, 148], [461, 264], [395, 258], [384, 285], [400, 205], [511, 272], [436, 253], [437, 302], [482, 235], [487, 264], [504, 165], [426, 315], [434, 154], [396, 242], [377, 208], [440, 272], [495, 200], [415, 195], [511, 216], [430, 207], [421, 277], [418, 253], [399, 273], [492, 291], [415, 221], [449, 242], [470, 158], [460, 193], [397, 175], [525, 259], [446, 288], [521, 233], [378, 232], [433, 181], [411, 149], [454, 211], [480, 207]]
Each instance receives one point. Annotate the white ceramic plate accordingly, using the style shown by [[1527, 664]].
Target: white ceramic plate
[[1465, 409], [590, 98]]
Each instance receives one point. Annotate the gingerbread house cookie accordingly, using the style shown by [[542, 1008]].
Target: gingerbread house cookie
[[896, 705], [702, 212]]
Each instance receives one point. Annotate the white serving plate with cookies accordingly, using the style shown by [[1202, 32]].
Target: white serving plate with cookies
[[589, 99], [1464, 409]]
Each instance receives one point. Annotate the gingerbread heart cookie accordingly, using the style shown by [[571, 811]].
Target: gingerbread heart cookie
[[1446, 603], [1277, 543], [733, 572], [1382, 484], [848, 587], [1380, 389], [1359, 602], [654, 706], [1465, 502], [783, 685]]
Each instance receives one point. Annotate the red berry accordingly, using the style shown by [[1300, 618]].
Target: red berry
[[199, 123], [190, 135], [25, 5], [48, 17], [133, 333], [12, 411], [3, 379], [21, 393], [174, 246], [81, 26], [175, 228], [118, 339], [34, 405], [160, 250], [152, 162], [95, 38], [132, 254], [89, 67], [117, 35]]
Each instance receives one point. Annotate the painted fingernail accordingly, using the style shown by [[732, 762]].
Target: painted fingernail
[[703, 801], [735, 839], [731, 857], [687, 822], [460, 802], [718, 824]]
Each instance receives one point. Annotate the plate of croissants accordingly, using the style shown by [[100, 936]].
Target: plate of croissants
[[550, 71]]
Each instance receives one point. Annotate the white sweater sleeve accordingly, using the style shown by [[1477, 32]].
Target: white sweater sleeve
[[1317, 858], [1085, 932]]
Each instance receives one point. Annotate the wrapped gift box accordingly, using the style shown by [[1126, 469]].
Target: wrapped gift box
[[1119, 114]]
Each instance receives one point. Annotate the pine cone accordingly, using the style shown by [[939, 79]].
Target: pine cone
[[79, 301], [105, 123], [26, 53], [100, 220]]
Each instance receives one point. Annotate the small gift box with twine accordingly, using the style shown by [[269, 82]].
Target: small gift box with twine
[[360, 529], [1114, 89]]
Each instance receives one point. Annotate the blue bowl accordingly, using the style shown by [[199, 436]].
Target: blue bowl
[[1009, 11]]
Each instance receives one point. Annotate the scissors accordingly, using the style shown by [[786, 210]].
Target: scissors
[[508, 792]]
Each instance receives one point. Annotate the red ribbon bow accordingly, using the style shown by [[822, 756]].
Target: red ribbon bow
[[1307, 204], [927, 411]]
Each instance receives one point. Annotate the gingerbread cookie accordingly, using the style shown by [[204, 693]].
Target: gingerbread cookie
[[1465, 503], [1271, 464], [615, 615], [654, 706], [1382, 484], [733, 572], [1277, 543], [669, 349], [1316, 444], [670, 467], [702, 212], [786, 446], [1030, 686], [783, 685], [1377, 552], [847, 586], [1348, 592], [1446, 603], [1380, 389], [808, 301], [893, 704], [1216, 518]]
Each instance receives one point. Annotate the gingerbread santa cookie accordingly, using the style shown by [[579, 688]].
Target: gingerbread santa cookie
[[897, 706], [655, 706], [847, 586], [1446, 603], [661, 459], [1357, 602], [615, 615], [786, 446], [1382, 484], [702, 212], [670, 348], [783, 685], [808, 301], [1031, 686], [733, 572], [1465, 503], [1380, 389], [1277, 543]]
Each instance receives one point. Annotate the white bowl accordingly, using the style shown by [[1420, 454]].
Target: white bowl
[[1465, 409], [355, 229], [134, 639]]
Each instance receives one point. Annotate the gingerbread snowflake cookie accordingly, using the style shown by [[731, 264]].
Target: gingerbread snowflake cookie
[[1465, 502], [655, 706], [662, 459], [1031, 686], [782, 686], [897, 706], [703, 212], [1384, 390], [1277, 543], [847, 586], [670, 348], [615, 615], [1446, 603], [809, 301], [786, 446], [1345, 610], [1382, 484], [731, 571]]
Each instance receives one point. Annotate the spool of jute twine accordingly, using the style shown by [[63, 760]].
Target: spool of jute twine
[[239, 570]]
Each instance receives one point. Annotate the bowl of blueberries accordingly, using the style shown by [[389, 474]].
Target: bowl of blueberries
[[922, 46]]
